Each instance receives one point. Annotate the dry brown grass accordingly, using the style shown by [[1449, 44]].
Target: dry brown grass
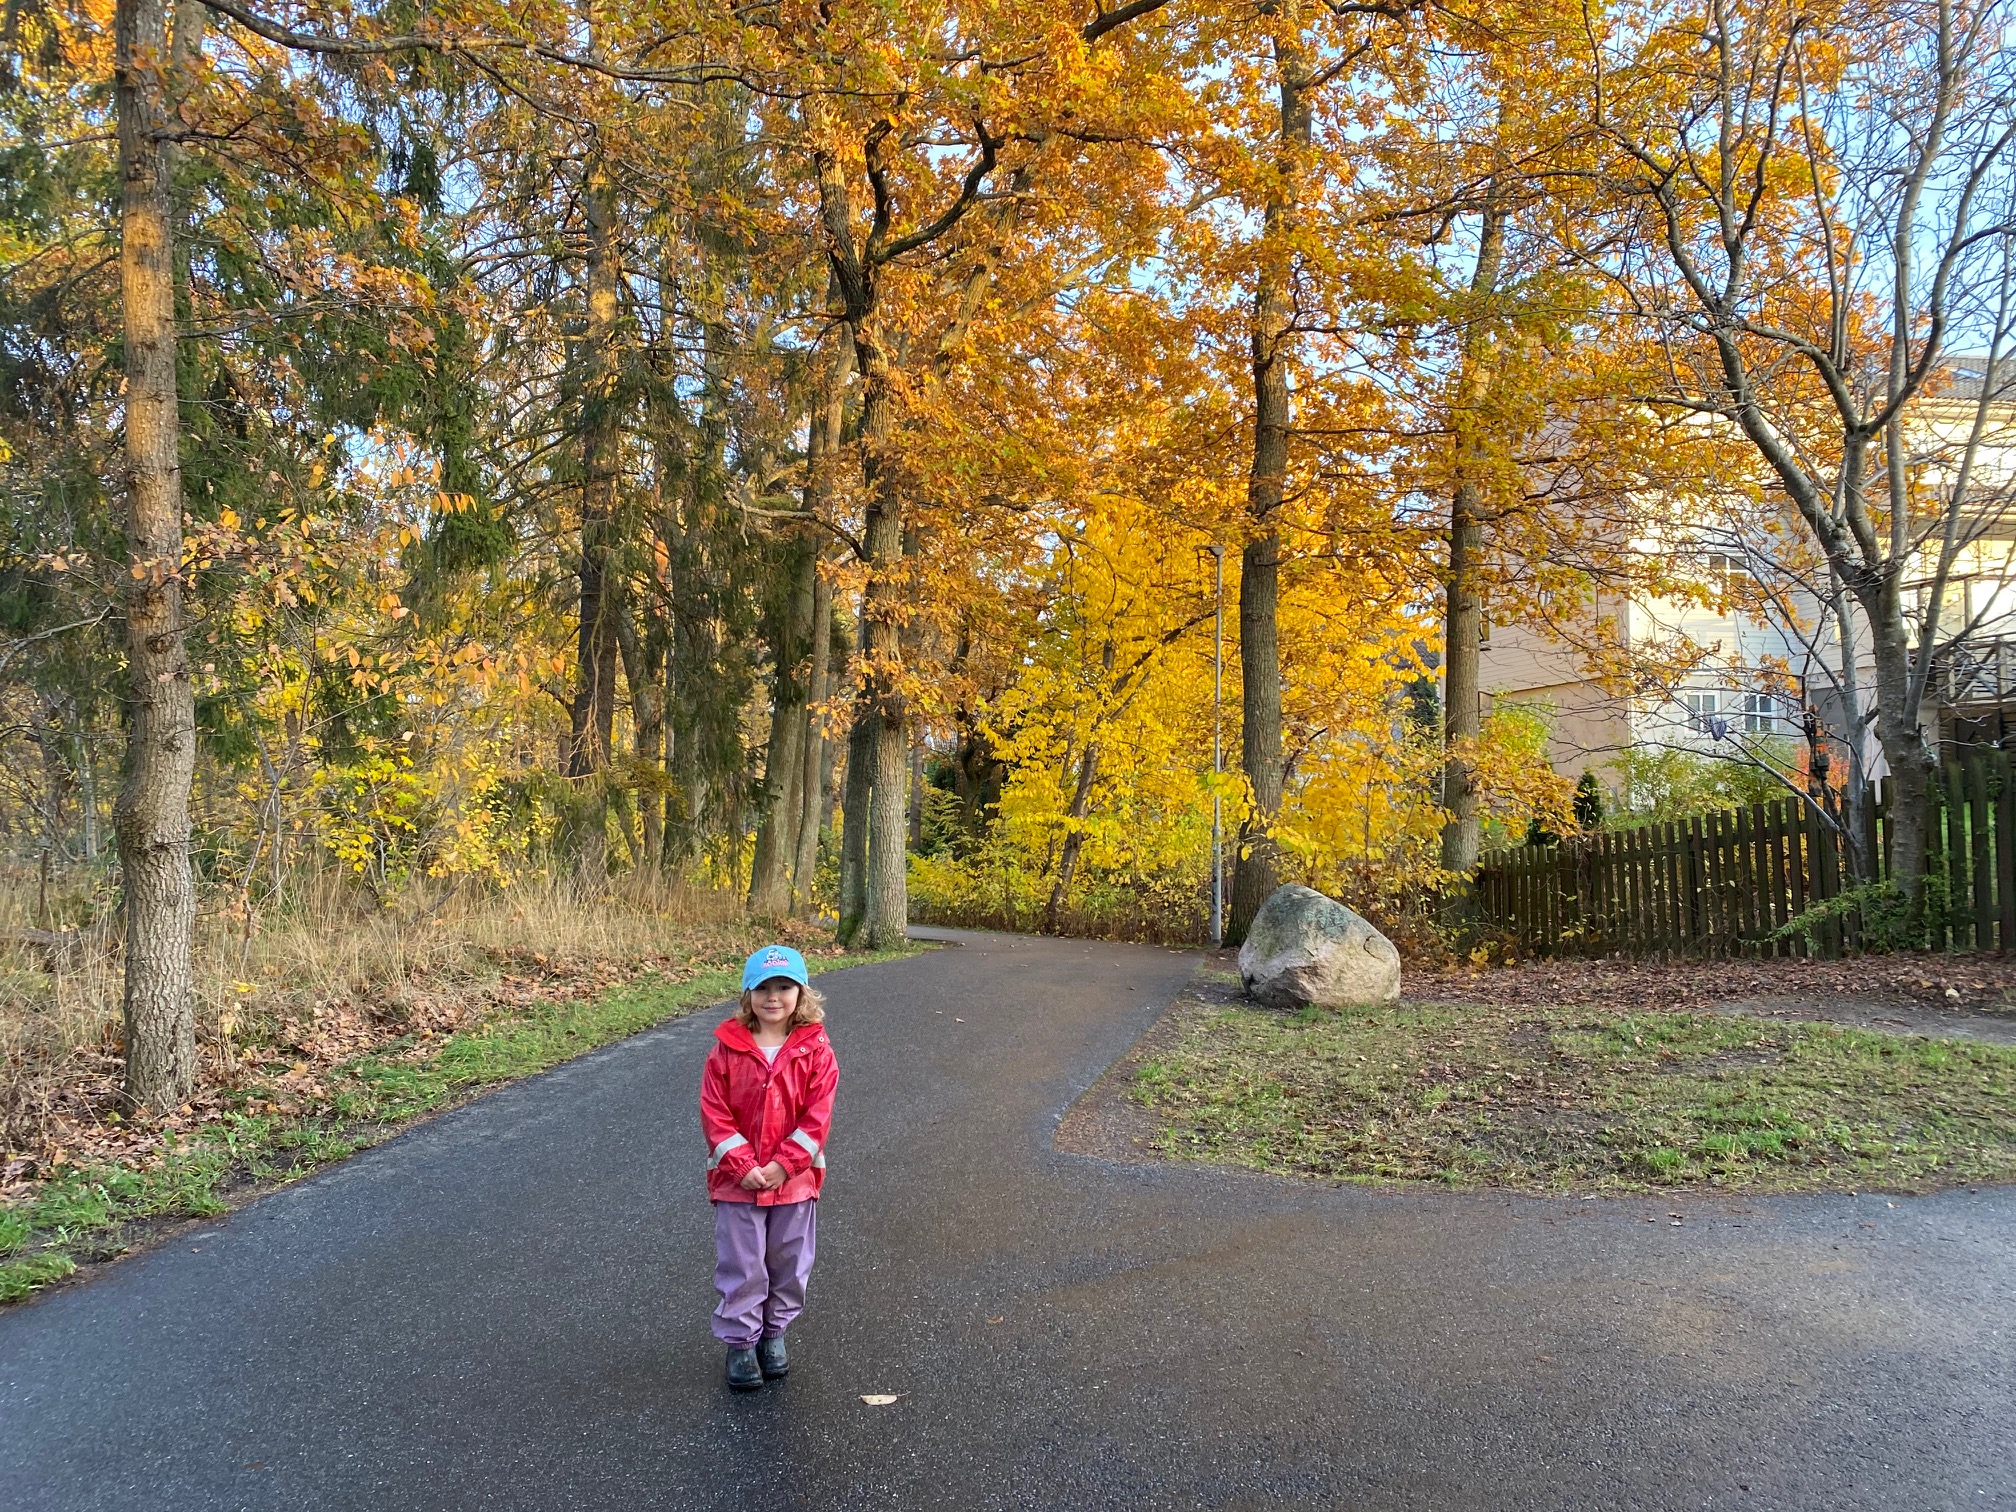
[[326, 978]]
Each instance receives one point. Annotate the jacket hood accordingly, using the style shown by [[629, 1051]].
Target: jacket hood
[[735, 1036]]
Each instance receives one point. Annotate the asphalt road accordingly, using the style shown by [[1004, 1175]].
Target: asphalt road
[[507, 1309]]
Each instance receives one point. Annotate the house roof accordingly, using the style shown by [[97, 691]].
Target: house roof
[[1968, 372]]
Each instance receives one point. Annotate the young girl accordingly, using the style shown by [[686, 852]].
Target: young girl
[[766, 1098]]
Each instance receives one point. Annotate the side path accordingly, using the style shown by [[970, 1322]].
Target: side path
[[506, 1309]]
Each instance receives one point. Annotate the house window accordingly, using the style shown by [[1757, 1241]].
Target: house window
[[1760, 713], [1702, 707], [1727, 573]]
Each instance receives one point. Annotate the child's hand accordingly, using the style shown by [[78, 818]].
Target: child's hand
[[764, 1178]]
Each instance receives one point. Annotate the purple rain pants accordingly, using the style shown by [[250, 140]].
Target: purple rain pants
[[762, 1260]]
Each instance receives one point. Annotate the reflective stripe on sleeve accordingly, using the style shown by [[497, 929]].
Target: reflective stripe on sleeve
[[807, 1143], [732, 1142]]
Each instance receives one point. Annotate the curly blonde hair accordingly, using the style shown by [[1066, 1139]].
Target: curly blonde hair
[[811, 1009]]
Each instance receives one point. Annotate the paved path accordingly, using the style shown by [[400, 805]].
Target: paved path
[[506, 1309]]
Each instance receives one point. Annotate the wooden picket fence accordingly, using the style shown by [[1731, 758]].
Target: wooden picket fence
[[1728, 883]]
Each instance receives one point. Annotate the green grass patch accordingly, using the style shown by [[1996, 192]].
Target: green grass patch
[[96, 1212], [1578, 1099], [20, 1277]]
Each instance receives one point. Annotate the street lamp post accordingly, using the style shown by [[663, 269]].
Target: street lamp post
[[1217, 754]]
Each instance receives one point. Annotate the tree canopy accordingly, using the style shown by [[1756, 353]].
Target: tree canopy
[[830, 451]]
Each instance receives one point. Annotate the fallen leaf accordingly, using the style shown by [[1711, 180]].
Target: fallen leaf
[[996, 1320], [876, 1400]]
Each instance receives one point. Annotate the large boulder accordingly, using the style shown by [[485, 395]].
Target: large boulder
[[1305, 948]]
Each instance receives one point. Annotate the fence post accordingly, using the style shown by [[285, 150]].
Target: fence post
[[1648, 876], [2005, 853], [1527, 933], [1761, 878], [1599, 883], [1653, 908], [1959, 920], [1984, 875], [1702, 882], [1883, 829], [1774, 828], [1708, 884], [1748, 892], [1826, 877], [1682, 876], [1722, 864], [1623, 851]]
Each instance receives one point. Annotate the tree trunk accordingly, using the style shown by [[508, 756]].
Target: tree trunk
[[862, 739], [1861, 843], [887, 921], [813, 782], [886, 906], [1463, 609], [87, 789], [152, 816], [1257, 864], [1074, 838], [643, 669], [1902, 738], [1256, 867], [592, 722], [824, 438], [47, 733], [784, 770], [1462, 695]]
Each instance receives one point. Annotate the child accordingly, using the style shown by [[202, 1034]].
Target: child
[[766, 1098]]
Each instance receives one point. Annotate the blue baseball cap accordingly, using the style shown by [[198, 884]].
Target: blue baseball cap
[[774, 961]]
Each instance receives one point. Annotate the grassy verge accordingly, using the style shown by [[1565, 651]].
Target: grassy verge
[[96, 1212], [1578, 1099]]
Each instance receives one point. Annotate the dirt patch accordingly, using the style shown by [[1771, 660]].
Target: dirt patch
[[1885, 1015], [1970, 986]]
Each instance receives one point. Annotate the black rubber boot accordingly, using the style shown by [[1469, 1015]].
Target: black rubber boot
[[744, 1374], [771, 1356]]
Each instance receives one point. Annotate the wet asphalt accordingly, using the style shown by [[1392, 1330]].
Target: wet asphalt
[[507, 1309]]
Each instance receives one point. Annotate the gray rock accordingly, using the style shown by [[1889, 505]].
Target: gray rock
[[1305, 948]]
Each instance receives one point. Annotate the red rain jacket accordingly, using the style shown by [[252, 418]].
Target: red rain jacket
[[755, 1111]]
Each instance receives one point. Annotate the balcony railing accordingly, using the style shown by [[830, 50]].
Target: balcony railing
[[1975, 672]]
